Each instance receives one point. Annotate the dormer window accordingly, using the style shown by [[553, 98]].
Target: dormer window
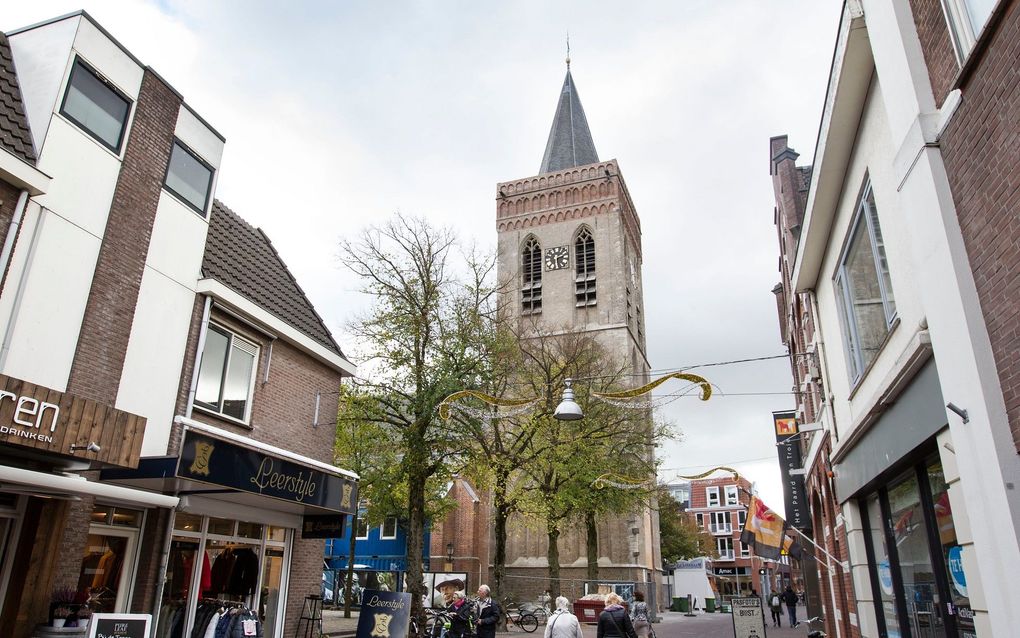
[[584, 269], [531, 277]]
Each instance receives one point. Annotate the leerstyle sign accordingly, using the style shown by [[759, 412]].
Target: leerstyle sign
[[219, 462], [37, 417]]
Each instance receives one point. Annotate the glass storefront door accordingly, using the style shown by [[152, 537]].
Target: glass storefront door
[[914, 564], [106, 575], [915, 558]]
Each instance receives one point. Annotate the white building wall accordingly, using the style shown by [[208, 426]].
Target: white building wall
[[42, 59], [982, 449]]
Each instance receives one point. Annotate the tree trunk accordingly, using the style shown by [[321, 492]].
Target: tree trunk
[[348, 585], [553, 557], [592, 545], [417, 471], [501, 514]]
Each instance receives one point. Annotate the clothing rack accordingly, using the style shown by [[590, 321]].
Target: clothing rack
[[222, 602]]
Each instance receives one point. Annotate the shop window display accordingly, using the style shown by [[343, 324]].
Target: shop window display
[[225, 576], [104, 579]]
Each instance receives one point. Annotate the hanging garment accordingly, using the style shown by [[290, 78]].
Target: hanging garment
[[246, 618], [220, 573], [210, 629], [244, 573]]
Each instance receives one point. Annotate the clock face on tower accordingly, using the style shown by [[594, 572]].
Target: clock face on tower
[[557, 258]]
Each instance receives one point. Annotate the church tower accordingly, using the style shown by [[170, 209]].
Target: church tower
[[569, 255]]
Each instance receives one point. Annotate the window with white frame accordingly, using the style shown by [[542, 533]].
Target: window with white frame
[[966, 19], [725, 548], [741, 519], [226, 376], [720, 523], [362, 532], [745, 550], [531, 277], [712, 496], [389, 528], [732, 495], [189, 177], [863, 287], [699, 519], [584, 267]]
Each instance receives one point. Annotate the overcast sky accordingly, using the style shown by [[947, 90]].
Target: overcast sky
[[341, 113]]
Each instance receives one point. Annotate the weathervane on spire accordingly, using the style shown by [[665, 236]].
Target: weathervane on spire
[[568, 50]]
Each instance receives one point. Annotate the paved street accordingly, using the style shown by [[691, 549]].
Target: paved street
[[673, 625]]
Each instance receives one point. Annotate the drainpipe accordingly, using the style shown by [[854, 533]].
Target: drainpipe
[[202, 330], [12, 231], [19, 291]]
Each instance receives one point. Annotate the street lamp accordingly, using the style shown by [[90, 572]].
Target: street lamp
[[568, 409], [449, 552]]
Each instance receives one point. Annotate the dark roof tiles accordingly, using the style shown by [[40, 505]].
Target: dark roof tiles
[[15, 136], [570, 143], [242, 258]]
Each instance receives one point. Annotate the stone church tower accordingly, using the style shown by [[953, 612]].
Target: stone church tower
[[569, 252]]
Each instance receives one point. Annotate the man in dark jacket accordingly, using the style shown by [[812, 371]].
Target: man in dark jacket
[[614, 621], [487, 613], [790, 598]]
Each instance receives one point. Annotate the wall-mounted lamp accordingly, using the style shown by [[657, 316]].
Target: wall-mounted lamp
[[568, 410], [91, 447], [449, 552]]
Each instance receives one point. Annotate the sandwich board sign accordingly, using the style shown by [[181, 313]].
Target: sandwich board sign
[[748, 618]]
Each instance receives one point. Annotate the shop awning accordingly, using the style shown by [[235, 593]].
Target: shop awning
[[49, 483]]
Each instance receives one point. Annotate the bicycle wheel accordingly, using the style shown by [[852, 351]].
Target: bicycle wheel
[[528, 622]]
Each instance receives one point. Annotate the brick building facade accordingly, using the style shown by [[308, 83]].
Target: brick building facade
[[188, 385], [900, 273], [797, 329]]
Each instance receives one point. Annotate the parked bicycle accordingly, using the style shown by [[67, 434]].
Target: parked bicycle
[[538, 610], [520, 619]]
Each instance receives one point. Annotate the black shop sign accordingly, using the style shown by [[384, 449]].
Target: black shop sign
[[218, 462], [119, 625]]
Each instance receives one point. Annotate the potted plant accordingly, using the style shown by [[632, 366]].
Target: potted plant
[[60, 615], [61, 605]]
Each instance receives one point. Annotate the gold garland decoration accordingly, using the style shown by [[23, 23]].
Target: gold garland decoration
[[706, 387], [626, 484], [736, 474], [444, 407]]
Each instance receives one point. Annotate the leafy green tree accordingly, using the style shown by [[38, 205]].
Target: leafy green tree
[[420, 342], [679, 534]]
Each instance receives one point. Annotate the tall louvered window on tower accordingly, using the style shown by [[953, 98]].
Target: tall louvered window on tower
[[531, 284], [584, 263]]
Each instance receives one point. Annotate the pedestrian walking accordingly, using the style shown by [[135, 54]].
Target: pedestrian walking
[[614, 621], [639, 615], [460, 616], [790, 598], [562, 623], [487, 613], [776, 608]]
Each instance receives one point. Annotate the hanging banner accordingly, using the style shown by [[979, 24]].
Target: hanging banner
[[797, 514]]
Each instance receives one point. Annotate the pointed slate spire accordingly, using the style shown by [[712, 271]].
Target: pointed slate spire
[[570, 142]]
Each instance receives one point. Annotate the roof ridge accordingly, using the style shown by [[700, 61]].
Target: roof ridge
[[255, 269]]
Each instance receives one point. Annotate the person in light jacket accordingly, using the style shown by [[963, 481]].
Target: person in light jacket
[[562, 623], [614, 622]]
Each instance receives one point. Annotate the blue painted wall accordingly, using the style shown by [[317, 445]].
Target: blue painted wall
[[374, 553]]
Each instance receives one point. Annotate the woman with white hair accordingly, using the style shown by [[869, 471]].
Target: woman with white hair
[[562, 623]]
